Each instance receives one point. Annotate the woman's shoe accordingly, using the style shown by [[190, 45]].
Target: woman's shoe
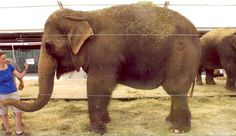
[[3, 128], [23, 134], [7, 133]]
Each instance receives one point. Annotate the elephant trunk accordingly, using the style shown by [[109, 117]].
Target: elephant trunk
[[47, 67]]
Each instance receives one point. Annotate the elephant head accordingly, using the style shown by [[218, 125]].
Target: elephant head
[[60, 52]]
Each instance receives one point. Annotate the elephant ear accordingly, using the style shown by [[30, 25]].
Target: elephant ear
[[78, 34]]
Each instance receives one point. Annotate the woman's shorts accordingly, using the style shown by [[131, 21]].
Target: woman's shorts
[[4, 109]]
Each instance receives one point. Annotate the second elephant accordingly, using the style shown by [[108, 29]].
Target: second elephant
[[219, 51]]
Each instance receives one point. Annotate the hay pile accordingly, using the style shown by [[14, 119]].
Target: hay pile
[[210, 116]]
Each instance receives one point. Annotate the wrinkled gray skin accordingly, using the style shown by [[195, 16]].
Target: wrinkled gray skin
[[136, 45], [219, 51]]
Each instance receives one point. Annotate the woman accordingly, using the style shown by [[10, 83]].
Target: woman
[[8, 90]]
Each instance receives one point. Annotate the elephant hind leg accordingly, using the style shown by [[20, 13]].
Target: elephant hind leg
[[210, 77], [180, 116]]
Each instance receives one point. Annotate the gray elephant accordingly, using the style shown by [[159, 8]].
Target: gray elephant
[[139, 45], [218, 51]]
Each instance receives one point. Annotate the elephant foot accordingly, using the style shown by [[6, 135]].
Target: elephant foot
[[99, 129], [169, 119], [106, 119], [210, 82], [179, 129], [178, 126], [199, 82], [232, 89]]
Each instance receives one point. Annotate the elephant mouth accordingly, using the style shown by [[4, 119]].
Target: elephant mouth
[[60, 72], [58, 75]]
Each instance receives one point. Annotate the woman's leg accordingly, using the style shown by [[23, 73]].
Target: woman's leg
[[4, 113], [5, 122], [18, 121]]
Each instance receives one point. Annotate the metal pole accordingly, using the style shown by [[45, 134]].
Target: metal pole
[[13, 53], [60, 4]]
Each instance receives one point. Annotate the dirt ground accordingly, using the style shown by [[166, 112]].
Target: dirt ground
[[74, 87]]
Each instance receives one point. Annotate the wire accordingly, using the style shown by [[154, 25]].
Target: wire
[[120, 34], [74, 5], [41, 30]]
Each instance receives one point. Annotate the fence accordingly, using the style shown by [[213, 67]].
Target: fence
[[23, 54]]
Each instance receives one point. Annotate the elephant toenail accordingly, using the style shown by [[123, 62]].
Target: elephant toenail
[[176, 131]]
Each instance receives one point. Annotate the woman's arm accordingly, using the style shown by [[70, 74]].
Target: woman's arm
[[22, 74]]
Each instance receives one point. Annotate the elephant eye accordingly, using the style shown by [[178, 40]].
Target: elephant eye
[[50, 48]]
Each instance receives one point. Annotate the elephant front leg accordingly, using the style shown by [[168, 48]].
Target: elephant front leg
[[99, 89], [105, 115], [180, 116], [210, 77], [230, 82], [97, 125], [230, 67]]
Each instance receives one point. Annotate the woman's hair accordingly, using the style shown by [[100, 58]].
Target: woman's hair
[[2, 52]]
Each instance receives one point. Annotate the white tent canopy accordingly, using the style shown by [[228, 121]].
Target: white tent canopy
[[30, 15]]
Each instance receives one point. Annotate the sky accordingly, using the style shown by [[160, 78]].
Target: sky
[[25, 15]]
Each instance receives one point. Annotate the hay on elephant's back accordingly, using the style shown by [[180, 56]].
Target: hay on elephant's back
[[149, 19]]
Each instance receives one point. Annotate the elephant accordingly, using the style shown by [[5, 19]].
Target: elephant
[[140, 45], [218, 52]]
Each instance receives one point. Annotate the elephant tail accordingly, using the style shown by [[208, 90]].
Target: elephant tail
[[192, 89]]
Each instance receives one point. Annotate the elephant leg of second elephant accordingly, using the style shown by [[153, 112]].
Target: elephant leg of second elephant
[[209, 77], [180, 116], [199, 77], [230, 82], [230, 68]]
